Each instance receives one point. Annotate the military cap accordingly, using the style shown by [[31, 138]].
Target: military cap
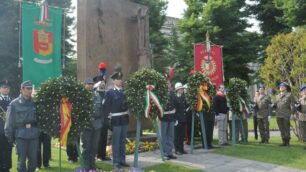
[[89, 81], [261, 86], [4, 83], [285, 84], [117, 76], [26, 84], [303, 87]]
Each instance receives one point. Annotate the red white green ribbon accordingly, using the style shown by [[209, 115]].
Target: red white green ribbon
[[242, 106], [151, 96], [203, 97]]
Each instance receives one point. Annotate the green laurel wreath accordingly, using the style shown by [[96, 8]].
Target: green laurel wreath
[[194, 81], [237, 88], [47, 102], [137, 87]]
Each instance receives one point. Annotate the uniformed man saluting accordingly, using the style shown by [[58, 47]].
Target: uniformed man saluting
[[5, 147], [284, 108], [21, 127], [115, 106]]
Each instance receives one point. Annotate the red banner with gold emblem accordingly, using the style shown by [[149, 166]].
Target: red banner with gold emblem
[[210, 64]]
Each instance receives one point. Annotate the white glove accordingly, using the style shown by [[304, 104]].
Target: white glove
[[176, 123], [269, 118]]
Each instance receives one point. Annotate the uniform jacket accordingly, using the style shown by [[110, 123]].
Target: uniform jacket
[[115, 102], [20, 114], [3, 104], [170, 106], [302, 110], [284, 103], [104, 116], [96, 122], [180, 107], [262, 104]]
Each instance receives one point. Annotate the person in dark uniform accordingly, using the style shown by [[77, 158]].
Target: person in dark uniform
[[91, 135], [255, 120], [167, 125], [43, 157], [21, 127], [72, 152], [180, 117], [101, 154], [115, 106], [5, 147]]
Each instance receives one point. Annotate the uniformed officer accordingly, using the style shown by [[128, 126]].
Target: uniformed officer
[[180, 117], [91, 135], [101, 154], [167, 125], [115, 106], [263, 108], [5, 147], [284, 103], [21, 127], [301, 108]]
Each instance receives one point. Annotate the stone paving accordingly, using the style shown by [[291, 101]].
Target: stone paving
[[210, 162]]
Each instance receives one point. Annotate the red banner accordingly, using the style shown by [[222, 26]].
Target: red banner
[[209, 64]]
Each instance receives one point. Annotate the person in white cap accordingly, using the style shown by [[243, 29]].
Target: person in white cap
[[180, 124]]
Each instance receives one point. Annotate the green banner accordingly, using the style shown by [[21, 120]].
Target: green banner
[[41, 42]]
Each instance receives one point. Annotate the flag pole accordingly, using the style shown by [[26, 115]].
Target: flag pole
[[64, 38], [19, 44]]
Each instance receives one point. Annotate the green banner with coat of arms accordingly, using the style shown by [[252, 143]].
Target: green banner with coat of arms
[[41, 42]]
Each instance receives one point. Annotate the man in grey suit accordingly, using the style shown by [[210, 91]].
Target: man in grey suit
[[21, 127]]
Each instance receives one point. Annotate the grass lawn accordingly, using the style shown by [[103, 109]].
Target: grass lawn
[[67, 167], [293, 156]]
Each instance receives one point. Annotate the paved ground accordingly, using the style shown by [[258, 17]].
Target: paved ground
[[210, 162]]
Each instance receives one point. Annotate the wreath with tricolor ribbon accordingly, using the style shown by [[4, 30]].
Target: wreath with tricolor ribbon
[[238, 96], [63, 108], [146, 94], [200, 92]]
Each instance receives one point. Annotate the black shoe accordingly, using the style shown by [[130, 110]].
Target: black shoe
[[171, 156], [47, 166], [211, 147], [185, 152], [166, 158], [124, 164], [178, 153], [106, 158]]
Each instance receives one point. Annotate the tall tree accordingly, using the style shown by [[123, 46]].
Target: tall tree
[[226, 22], [286, 60], [157, 18], [294, 12]]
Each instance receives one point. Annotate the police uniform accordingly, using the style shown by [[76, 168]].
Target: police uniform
[[263, 109], [283, 103], [21, 127], [301, 109], [180, 117], [5, 147], [91, 135], [115, 106], [44, 154]]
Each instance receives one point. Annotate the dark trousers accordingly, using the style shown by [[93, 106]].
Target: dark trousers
[[188, 127], [45, 142], [284, 127], [26, 149], [102, 143], [255, 123], [72, 152], [5, 154], [209, 129], [179, 132], [118, 143], [90, 140]]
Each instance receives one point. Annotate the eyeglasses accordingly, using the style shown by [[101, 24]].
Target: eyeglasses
[[28, 88]]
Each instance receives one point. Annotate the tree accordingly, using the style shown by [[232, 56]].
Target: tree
[[286, 61], [294, 12], [157, 18], [226, 22]]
